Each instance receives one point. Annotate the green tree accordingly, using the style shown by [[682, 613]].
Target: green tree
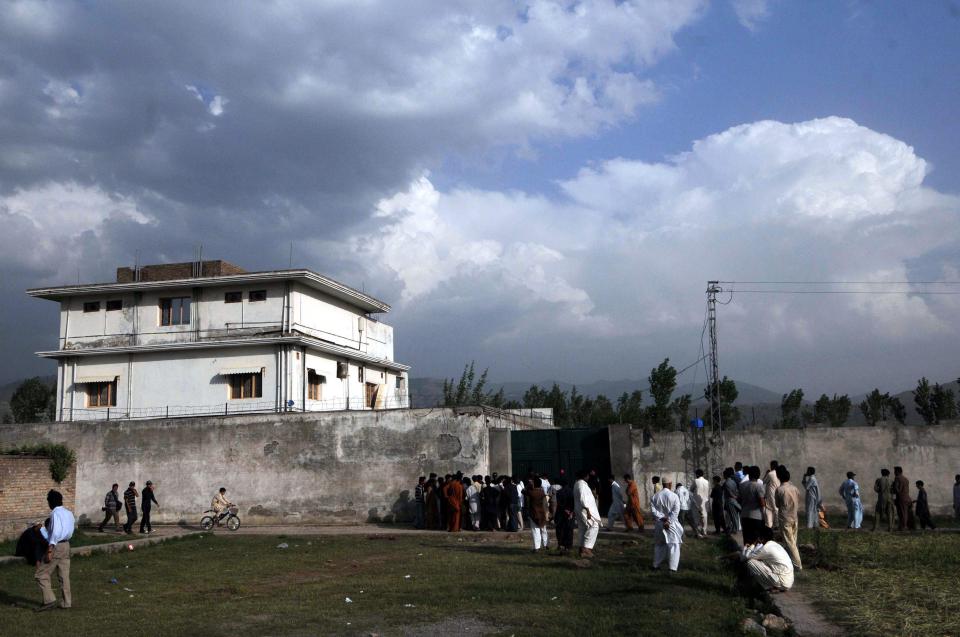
[[875, 407], [790, 406], [898, 411], [943, 403], [469, 390], [602, 412], [33, 401], [630, 407], [663, 380], [834, 411], [681, 409], [727, 395], [923, 401]]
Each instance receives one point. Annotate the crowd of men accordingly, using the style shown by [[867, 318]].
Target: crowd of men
[[758, 503], [112, 505]]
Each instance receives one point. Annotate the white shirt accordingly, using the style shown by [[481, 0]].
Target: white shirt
[[684, 496], [616, 493], [473, 496], [583, 499], [774, 556], [666, 504], [701, 490], [61, 526]]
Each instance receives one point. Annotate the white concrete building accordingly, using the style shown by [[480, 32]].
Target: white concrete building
[[210, 338]]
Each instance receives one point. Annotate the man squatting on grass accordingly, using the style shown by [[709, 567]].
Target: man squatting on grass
[[768, 563]]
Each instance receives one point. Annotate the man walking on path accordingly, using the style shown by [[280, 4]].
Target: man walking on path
[[616, 503], [731, 500], [850, 492], [418, 521], [788, 508], [453, 492], [813, 499], [667, 532], [884, 510], [701, 500], [57, 557], [901, 495], [588, 517], [956, 496], [923, 507], [537, 508], [130, 504], [147, 501], [634, 515], [111, 506], [770, 485], [686, 517]]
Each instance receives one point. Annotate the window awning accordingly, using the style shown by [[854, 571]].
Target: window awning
[[233, 371], [96, 378]]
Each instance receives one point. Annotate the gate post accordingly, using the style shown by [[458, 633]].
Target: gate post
[[500, 452]]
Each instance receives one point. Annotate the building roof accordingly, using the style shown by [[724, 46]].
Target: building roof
[[306, 277], [296, 339]]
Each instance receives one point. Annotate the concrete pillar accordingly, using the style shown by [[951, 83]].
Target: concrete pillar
[[621, 450], [501, 451]]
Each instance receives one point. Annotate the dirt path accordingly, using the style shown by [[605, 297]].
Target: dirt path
[[806, 620]]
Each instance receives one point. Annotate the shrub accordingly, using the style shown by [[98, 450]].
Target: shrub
[[61, 457]]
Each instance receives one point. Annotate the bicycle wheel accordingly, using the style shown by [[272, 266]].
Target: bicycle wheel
[[206, 523], [233, 523]]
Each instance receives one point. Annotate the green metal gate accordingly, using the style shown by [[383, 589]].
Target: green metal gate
[[548, 451]]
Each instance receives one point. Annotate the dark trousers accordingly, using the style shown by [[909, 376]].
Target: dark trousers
[[719, 524], [145, 521], [111, 514], [419, 521], [131, 518]]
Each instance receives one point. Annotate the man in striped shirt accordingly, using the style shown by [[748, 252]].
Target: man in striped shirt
[[130, 504]]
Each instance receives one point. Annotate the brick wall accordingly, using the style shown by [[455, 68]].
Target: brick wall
[[24, 482], [172, 271]]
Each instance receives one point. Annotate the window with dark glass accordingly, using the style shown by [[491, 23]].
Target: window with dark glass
[[246, 386], [115, 304], [91, 306], [102, 394], [175, 311], [314, 382], [258, 295], [233, 297]]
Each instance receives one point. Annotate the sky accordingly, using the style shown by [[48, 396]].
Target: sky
[[543, 187]]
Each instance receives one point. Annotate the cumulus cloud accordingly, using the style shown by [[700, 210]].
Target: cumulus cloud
[[50, 228], [751, 13], [621, 254]]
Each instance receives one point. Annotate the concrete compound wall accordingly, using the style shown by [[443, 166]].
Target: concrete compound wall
[[24, 482], [341, 467], [931, 454]]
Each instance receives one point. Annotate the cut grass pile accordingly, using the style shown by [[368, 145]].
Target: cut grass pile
[[888, 583], [437, 584]]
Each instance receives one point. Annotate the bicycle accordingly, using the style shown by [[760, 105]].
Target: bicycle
[[229, 519]]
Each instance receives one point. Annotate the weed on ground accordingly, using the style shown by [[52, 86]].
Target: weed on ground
[[443, 584]]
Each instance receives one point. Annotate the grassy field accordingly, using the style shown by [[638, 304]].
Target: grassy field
[[887, 583], [436, 584], [80, 537]]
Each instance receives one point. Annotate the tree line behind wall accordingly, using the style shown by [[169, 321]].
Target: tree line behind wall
[[933, 403], [573, 409]]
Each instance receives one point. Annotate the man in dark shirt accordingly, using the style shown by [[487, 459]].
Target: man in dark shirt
[[901, 495], [923, 507], [146, 502], [130, 505]]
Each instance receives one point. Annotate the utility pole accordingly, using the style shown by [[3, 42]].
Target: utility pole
[[716, 422]]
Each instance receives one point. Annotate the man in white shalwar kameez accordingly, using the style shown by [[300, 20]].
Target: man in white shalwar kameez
[[667, 532], [616, 503], [588, 517], [701, 500], [768, 563]]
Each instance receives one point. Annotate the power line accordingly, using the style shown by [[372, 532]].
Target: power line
[[877, 292], [843, 282]]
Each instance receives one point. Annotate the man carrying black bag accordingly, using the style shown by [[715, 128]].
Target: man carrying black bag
[[111, 508]]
